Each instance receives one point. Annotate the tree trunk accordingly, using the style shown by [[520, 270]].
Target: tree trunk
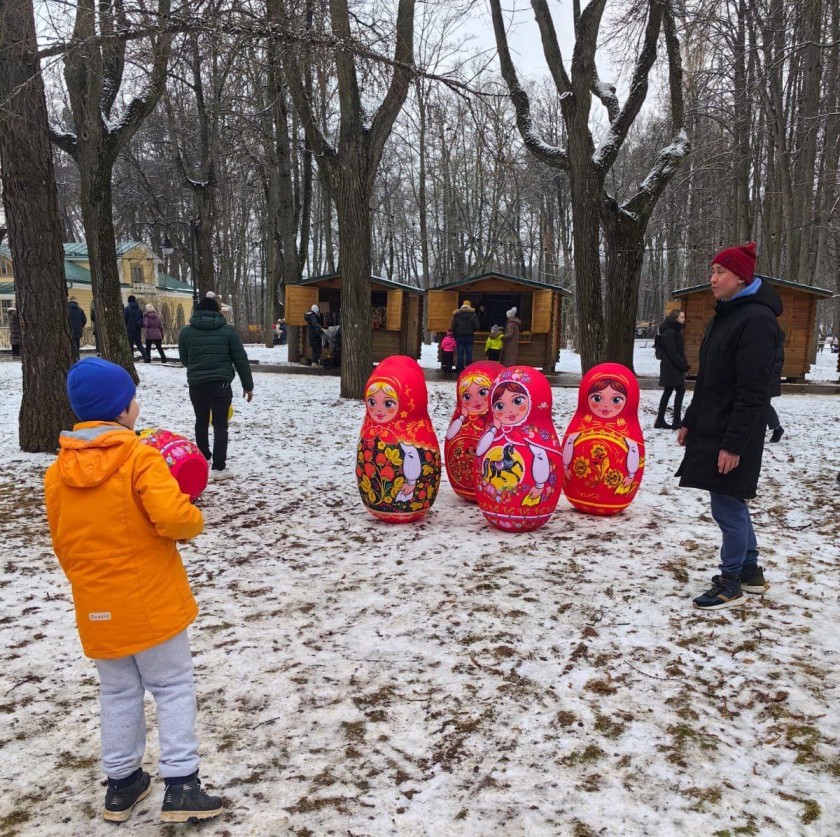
[[102, 255], [31, 205], [586, 195], [204, 200], [352, 203], [624, 248]]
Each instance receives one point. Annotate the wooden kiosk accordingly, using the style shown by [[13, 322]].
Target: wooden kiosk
[[798, 321], [395, 314], [539, 306]]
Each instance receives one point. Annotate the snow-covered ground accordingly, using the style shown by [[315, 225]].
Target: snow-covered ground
[[645, 363], [445, 678]]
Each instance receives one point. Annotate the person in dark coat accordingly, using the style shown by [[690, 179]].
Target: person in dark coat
[[153, 328], [672, 367], [211, 350], [773, 422], [314, 333], [133, 317], [78, 321], [14, 330], [465, 324], [723, 429]]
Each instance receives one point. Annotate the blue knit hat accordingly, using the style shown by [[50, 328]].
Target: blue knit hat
[[99, 390]]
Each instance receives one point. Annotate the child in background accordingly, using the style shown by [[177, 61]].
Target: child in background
[[447, 351], [115, 513], [493, 346]]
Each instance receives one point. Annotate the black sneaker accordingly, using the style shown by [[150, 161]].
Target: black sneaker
[[188, 801], [724, 592], [661, 424], [752, 580], [777, 434], [120, 802]]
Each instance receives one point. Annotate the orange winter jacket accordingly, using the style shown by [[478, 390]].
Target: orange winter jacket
[[115, 513]]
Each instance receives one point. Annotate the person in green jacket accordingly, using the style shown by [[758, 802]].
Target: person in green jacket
[[211, 350]]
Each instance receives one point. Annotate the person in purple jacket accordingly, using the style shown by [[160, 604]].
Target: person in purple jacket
[[153, 328]]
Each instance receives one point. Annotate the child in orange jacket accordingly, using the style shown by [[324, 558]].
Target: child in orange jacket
[[115, 514]]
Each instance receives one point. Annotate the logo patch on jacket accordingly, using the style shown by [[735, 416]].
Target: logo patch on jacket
[[100, 617]]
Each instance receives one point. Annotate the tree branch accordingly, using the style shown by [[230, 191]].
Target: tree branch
[[349, 100], [550, 155], [608, 150], [400, 81], [551, 48], [141, 106], [291, 69]]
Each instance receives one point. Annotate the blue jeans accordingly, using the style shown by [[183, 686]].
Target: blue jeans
[[465, 347], [738, 548]]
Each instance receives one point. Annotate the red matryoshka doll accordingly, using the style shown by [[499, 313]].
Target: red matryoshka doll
[[186, 462], [603, 449], [518, 463], [469, 421], [398, 457]]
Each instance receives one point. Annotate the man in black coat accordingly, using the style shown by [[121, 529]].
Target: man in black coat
[[133, 316], [723, 429], [78, 321], [465, 324]]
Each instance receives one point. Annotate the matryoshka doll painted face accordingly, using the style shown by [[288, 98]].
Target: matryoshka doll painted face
[[468, 422], [517, 464], [603, 449], [398, 457]]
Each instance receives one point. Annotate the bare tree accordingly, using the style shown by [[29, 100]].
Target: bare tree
[[31, 205], [349, 167], [94, 68], [593, 208]]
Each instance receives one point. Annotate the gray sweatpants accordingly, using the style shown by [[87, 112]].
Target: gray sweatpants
[[165, 670]]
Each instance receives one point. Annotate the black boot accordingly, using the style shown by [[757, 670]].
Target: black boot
[[187, 800], [660, 423], [123, 794]]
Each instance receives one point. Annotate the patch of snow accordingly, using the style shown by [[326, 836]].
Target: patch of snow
[[445, 677]]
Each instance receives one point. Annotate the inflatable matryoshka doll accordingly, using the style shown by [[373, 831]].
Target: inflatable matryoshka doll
[[186, 462], [398, 457], [468, 423], [518, 465], [603, 449]]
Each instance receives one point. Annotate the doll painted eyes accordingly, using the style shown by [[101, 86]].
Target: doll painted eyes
[[466, 396], [483, 392], [519, 400], [389, 403]]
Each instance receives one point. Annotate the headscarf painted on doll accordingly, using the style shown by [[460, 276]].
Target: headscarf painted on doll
[[396, 402]]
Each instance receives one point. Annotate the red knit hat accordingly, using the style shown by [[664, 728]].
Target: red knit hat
[[740, 260]]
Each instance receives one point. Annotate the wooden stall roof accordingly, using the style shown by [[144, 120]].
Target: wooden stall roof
[[784, 283], [519, 280], [333, 280]]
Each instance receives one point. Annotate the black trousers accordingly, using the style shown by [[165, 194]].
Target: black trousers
[[135, 339], [213, 397], [158, 344], [316, 350], [678, 400]]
